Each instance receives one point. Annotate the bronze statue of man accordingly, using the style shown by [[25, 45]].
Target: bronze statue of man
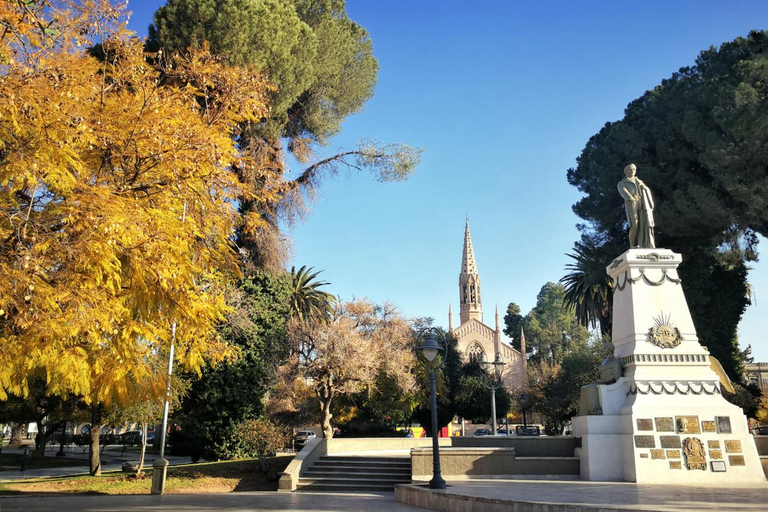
[[638, 203]]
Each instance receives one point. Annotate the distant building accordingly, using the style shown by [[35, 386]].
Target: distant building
[[475, 338], [757, 373]]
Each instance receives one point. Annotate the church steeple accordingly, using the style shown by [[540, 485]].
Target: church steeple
[[469, 282]]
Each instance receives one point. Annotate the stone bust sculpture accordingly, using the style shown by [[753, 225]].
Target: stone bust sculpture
[[638, 203]]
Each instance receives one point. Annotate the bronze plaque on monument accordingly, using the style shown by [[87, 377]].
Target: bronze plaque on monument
[[733, 446], [713, 444], [723, 424], [670, 441], [687, 424], [694, 453], [643, 455], [665, 424], [708, 426], [715, 454], [645, 442], [657, 453], [645, 424], [736, 460], [675, 464], [673, 454]]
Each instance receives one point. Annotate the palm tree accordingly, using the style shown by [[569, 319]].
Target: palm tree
[[588, 287], [308, 302]]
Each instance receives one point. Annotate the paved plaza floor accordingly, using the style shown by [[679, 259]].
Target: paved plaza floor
[[239, 501], [580, 496]]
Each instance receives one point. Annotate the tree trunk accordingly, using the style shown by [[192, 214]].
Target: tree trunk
[[44, 433], [17, 434], [325, 397], [143, 447], [93, 445]]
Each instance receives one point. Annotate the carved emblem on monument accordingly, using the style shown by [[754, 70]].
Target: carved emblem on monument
[[695, 457], [664, 334]]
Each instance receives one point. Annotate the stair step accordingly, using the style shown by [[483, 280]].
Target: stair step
[[365, 459], [357, 464], [335, 471], [344, 487], [356, 478]]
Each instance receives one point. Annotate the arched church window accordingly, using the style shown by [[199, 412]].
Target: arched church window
[[466, 294], [475, 352], [474, 293]]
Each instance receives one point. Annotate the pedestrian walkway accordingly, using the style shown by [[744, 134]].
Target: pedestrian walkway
[[580, 496], [236, 501], [111, 460]]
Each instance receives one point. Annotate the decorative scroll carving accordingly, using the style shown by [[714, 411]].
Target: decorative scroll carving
[[674, 388], [646, 279], [695, 457]]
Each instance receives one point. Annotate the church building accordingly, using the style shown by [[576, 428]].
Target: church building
[[475, 338]]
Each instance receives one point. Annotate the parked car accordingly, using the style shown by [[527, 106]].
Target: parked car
[[503, 431], [482, 432], [130, 438], [302, 436], [760, 431]]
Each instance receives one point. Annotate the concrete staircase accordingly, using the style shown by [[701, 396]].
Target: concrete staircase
[[351, 474]]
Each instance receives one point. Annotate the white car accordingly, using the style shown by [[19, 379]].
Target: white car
[[302, 436]]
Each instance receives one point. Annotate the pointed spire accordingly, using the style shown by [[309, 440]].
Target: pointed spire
[[450, 318], [522, 347], [498, 325], [468, 265], [469, 283]]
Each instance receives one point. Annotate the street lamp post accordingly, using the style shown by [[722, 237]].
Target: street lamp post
[[493, 383], [426, 353]]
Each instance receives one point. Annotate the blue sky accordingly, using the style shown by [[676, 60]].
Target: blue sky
[[502, 97]]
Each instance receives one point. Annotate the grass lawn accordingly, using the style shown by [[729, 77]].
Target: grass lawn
[[212, 477], [9, 462]]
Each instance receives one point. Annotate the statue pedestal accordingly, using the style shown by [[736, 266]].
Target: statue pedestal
[[664, 420]]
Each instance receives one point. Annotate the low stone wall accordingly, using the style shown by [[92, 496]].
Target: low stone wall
[[339, 445], [544, 446], [761, 442], [490, 463], [466, 462]]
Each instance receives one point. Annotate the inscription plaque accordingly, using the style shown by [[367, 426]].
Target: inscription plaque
[[665, 424], [715, 454], [673, 454], [736, 460], [643, 455], [658, 453], [733, 446], [670, 441], [723, 424], [687, 424], [675, 464], [708, 426], [713, 444], [718, 466], [645, 424], [694, 453], [645, 442]]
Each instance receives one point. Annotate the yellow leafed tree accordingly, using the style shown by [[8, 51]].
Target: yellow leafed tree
[[116, 200]]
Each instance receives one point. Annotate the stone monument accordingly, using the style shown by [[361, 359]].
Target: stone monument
[[664, 420]]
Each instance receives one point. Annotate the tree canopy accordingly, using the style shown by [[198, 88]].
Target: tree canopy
[[115, 201], [699, 140]]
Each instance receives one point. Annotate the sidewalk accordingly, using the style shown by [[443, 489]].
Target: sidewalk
[[112, 459], [581, 496], [240, 501]]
